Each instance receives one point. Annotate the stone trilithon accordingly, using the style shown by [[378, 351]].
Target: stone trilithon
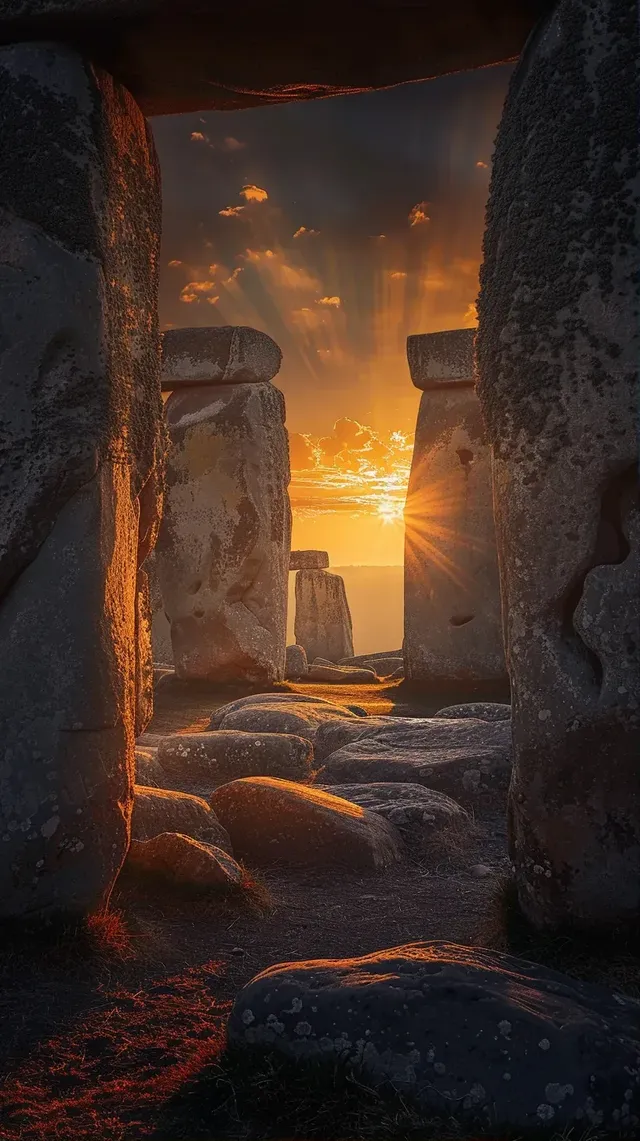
[[558, 355]]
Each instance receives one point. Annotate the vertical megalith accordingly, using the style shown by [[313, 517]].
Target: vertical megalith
[[80, 416], [223, 551], [452, 620], [323, 619], [558, 358]]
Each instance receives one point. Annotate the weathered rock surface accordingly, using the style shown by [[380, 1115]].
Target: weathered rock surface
[[184, 861], [296, 664], [341, 675], [308, 560], [186, 56], [360, 659], [223, 549], [162, 650], [418, 812], [148, 771], [384, 667], [452, 618], [300, 716], [323, 619], [80, 410], [275, 698], [484, 710], [331, 735], [484, 1037], [467, 759], [559, 386], [157, 810], [275, 820], [225, 755], [217, 354]]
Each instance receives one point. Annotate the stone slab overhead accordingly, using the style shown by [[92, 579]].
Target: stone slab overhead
[[189, 55], [224, 354], [308, 560], [437, 359]]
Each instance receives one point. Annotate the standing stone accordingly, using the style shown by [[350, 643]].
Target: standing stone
[[162, 650], [323, 620], [452, 621], [81, 435], [558, 356], [223, 550]]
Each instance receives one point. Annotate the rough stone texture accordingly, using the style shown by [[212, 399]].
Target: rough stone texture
[[225, 755], [144, 654], [295, 662], [331, 735], [148, 771], [300, 717], [220, 714], [558, 356], [217, 354], [484, 710], [308, 560], [341, 675], [323, 620], [360, 659], [161, 648], [417, 812], [469, 760], [488, 1039], [80, 415], [452, 619], [437, 359], [184, 55], [157, 810], [276, 820], [223, 549], [384, 667], [184, 861]]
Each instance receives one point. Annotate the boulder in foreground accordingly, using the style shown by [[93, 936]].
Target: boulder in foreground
[[276, 820], [225, 755], [484, 710], [484, 1037], [157, 810], [269, 713], [418, 812], [184, 861]]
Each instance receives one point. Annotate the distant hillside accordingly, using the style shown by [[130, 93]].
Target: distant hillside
[[375, 597]]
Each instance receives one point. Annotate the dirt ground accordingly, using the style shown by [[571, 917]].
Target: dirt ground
[[101, 1029]]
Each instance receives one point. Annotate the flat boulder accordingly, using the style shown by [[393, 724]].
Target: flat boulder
[[341, 675], [488, 1039], [157, 810], [381, 655], [225, 755], [464, 759], [332, 735], [275, 820], [184, 862], [217, 354], [416, 811], [301, 718], [484, 710], [295, 664], [384, 667], [308, 560]]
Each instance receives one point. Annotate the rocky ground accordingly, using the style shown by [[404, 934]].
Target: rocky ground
[[118, 1032]]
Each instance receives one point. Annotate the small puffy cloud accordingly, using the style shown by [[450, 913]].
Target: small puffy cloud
[[231, 144], [252, 193], [231, 211], [198, 137], [330, 302], [470, 319], [301, 451], [418, 215], [305, 232], [397, 275], [174, 262], [481, 164], [198, 291]]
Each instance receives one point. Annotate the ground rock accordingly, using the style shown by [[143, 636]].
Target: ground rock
[[323, 619], [223, 551], [384, 667], [332, 735], [300, 717], [559, 386], [483, 710], [466, 759], [82, 437], [272, 820], [360, 659], [149, 772], [157, 810], [296, 664], [417, 812], [275, 698], [184, 861], [489, 1039], [341, 675], [217, 354], [308, 560], [225, 755], [397, 675]]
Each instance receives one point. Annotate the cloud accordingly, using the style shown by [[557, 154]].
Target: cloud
[[198, 137], [470, 319], [199, 291], [252, 193], [418, 215], [231, 211], [481, 164], [301, 451], [330, 302], [397, 275], [174, 262], [304, 232]]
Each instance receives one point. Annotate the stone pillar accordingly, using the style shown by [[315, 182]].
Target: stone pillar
[[323, 619], [223, 551], [558, 356], [80, 411], [452, 620]]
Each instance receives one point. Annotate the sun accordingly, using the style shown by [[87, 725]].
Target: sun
[[389, 509]]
